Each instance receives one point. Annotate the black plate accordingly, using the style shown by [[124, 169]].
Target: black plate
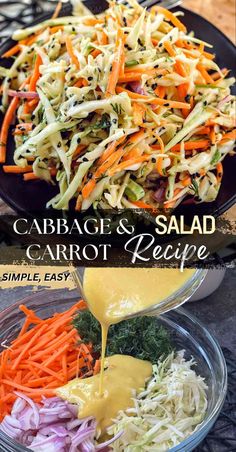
[[33, 196]]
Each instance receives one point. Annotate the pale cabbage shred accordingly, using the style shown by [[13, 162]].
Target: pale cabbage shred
[[168, 411], [67, 116]]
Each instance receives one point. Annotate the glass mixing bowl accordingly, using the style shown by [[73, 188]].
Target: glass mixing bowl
[[186, 333], [175, 300]]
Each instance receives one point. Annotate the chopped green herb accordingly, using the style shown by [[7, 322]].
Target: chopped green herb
[[131, 63], [141, 337], [216, 157], [134, 191]]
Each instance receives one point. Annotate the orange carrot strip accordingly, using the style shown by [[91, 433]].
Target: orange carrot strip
[[180, 68], [69, 47], [219, 169], [188, 145], [24, 388], [138, 113], [30, 176], [160, 159], [186, 181], [5, 127], [169, 48], [229, 136], [57, 10], [117, 64], [110, 149], [56, 29], [128, 163], [103, 38], [170, 204], [142, 205], [154, 100], [13, 169], [95, 53], [92, 21], [45, 369], [36, 73], [11, 52], [88, 188], [160, 91], [204, 74], [170, 16], [28, 346]]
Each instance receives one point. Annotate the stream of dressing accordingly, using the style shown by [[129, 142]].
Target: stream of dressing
[[114, 293]]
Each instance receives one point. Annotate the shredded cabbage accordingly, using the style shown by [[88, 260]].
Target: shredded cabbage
[[170, 409]]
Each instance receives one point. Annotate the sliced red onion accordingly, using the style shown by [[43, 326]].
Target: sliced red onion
[[137, 88], [23, 94], [26, 419], [33, 406], [18, 406], [9, 429], [223, 101], [159, 195], [52, 426]]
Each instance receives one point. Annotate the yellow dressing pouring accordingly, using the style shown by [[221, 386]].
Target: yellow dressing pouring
[[112, 295], [123, 375], [115, 293]]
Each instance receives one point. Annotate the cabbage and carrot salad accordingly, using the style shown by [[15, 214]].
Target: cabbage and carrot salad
[[126, 109], [48, 353]]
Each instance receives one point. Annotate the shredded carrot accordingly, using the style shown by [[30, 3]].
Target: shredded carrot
[[169, 48], [42, 357], [138, 112], [204, 73], [117, 64], [213, 135], [56, 29], [180, 68], [11, 52], [23, 128], [5, 127], [186, 181], [229, 136], [142, 205], [188, 145], [169, 16], [79, 149], [16, 169], [127, 163], [110, 149], [103, 38], [216, 75], [70, 50], [90, 21], [88, 188], [30, 176], [219, 169], [136, 75], [170, 204], [160, 91], [160, 159], [36, 73], [154, 100], [57, 10]]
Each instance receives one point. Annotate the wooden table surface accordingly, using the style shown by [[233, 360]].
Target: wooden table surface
[[222, 13]]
